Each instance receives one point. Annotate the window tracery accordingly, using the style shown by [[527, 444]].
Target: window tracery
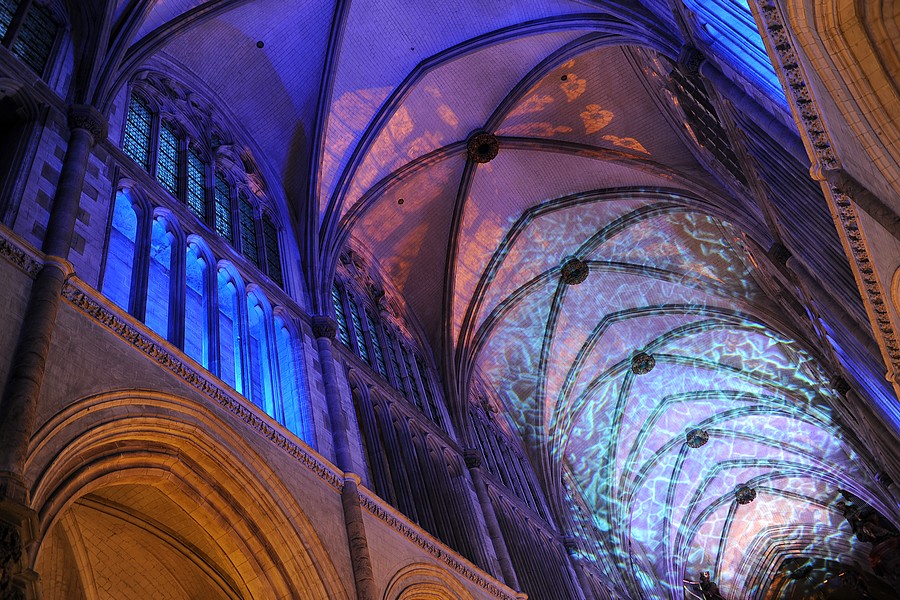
[[175, 139], [370, 328], [159, 265]]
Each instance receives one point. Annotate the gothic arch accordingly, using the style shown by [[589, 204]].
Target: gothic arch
[[186, 491], [422, 581]]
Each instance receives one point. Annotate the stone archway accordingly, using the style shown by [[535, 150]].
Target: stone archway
[[166, 501]]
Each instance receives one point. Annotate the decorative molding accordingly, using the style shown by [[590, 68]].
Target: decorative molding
[[17, 257], [745, 495], [696, 438], [99, 312], [83, 116], [434, 548], [482, 147], [642, 363], [324, 326], [574, 272], [843, 209]]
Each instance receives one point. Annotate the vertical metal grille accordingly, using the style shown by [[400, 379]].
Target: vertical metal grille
[[196, 185], [35, 39], [249, 247], [339, 315], [167, 159], [273, 254], [137, 132], [223, 208]]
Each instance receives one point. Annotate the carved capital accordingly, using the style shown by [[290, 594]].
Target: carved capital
[[324, 326], [690, 59], [472, 458], [779, 255], [83, 116]]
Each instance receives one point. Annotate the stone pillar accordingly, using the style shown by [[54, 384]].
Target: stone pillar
[[18, 407], [473, 462], [356, 538], [324, 328]]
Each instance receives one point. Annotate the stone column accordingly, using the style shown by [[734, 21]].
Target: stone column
[[324, 328], [18, 407], [356, 538], [473, 462]]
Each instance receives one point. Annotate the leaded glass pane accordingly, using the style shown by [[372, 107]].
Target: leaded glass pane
[[248, 231], [196, 188], [7, 11], [223, 208], [429, 396], [358, 331], [137, 132], [167, 159], [339, 315], [35, 39], [410, 370], [273, 255], [376, 345], [395, 362]]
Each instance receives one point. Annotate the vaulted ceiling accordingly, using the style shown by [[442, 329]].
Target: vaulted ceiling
[[360, 113]]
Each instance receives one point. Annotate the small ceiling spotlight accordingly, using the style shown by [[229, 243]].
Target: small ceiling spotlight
[[400, 201], [260, 44]]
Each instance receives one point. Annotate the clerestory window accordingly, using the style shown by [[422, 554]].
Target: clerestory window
[[213, 193], [29, 30]]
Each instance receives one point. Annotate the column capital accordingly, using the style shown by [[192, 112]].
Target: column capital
[[472, 458], [324, 326], [84, 116]]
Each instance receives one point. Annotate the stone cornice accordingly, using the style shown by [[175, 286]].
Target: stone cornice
[[413, 533], [841, 202]]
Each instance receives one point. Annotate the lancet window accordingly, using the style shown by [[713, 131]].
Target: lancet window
[[200, 304], [387, 352], [190, 169]]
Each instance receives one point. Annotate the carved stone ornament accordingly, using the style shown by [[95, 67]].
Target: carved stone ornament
[[574, 271], [482, 147], [10, 553], [697, 438], [745, 495], [472, 458], [324, 327], [82, 116], [642, 363]]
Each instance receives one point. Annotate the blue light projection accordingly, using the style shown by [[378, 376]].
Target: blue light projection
[[732, 32], [652, 510]]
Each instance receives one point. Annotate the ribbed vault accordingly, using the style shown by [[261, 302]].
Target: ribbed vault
[[599, 163]]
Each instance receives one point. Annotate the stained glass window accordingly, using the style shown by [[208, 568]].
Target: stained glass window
[[358, 330], [376, 345], [34, 40], [167, 159], [395, 362], [273, 255], [137, 132], [733, 32], [223, 208], [429, 395], [343, 333], [249, 247], [196, 188], [7, 11], [411, 381]]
